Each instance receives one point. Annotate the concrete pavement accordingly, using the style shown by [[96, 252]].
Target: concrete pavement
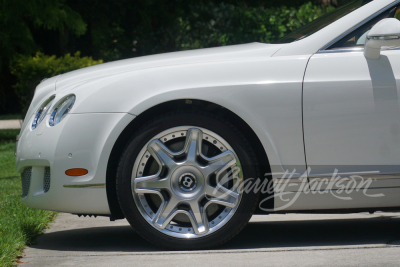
[[273, 240], [10, 124]]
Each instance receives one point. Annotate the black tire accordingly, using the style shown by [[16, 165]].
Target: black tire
[[139, 139]]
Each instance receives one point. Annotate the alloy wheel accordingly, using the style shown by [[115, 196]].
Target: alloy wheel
[[185, 182]]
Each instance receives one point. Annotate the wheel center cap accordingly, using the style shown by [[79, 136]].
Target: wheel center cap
[[187, 182]]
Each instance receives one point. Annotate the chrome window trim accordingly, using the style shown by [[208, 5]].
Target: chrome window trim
[[345, 49], [324, 49], [353, 49]]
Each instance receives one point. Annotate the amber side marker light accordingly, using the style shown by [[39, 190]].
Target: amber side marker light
[[76, 172]]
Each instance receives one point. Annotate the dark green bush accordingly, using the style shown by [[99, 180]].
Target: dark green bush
[[228, 24], [31, 70]]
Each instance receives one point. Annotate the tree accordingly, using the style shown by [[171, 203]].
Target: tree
[[17, 20], [126, 28]]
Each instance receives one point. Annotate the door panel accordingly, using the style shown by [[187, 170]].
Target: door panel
[[352, 116]]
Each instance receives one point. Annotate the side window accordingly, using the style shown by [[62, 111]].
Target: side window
[[357, 37]]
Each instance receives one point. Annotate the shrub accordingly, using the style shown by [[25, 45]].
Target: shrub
[[31, 70], [225, 24]]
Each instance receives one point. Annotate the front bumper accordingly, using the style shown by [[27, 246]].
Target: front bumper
[[79, 141]]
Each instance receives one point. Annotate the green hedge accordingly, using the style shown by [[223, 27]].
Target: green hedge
[[228, 24], [31, 70]]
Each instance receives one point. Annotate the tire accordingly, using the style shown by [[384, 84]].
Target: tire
[[170, 204]]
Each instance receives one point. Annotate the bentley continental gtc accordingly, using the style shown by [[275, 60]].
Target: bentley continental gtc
[[187, 146]]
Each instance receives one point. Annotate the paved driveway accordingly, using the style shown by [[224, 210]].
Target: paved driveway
[[10, 124], [272, 240]]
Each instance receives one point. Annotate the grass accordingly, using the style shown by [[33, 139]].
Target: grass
[[11, 117], [19, 225]]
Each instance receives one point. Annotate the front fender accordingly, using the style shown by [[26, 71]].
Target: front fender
[[264, 92]]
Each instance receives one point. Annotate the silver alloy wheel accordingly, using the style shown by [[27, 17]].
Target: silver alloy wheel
[[180, 189]]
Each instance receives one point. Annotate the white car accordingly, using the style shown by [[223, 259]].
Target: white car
[[188, 145]]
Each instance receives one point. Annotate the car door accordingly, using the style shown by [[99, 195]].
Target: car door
[[351, 113]]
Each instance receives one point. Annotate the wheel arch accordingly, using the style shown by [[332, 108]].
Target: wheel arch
[[177, 105]]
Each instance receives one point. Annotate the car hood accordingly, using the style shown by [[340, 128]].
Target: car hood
[[225, 53]]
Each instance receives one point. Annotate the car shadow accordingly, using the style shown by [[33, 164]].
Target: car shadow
[[256, 235]]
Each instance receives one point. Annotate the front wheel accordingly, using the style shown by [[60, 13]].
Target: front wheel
[[180, 181]]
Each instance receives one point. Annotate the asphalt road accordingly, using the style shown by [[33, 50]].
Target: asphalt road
[[272, 240]]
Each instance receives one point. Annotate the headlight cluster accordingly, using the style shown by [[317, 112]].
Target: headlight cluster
[[61, 109], [58, 112], [42, 112]]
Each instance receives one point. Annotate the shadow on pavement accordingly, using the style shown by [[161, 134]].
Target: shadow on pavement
[[256, 235]]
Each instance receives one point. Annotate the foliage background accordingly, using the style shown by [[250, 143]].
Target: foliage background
[[29, 71], [38, 37]]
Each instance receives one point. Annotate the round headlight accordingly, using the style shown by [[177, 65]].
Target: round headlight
[[61, 109], [42, 112]]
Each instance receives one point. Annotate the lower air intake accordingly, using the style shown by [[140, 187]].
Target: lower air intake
[[46, 179], [26, 181]]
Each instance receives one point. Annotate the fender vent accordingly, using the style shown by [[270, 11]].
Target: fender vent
[[46, 179], [26, 181]]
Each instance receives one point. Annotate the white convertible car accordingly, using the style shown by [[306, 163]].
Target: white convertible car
[[188, 145]]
